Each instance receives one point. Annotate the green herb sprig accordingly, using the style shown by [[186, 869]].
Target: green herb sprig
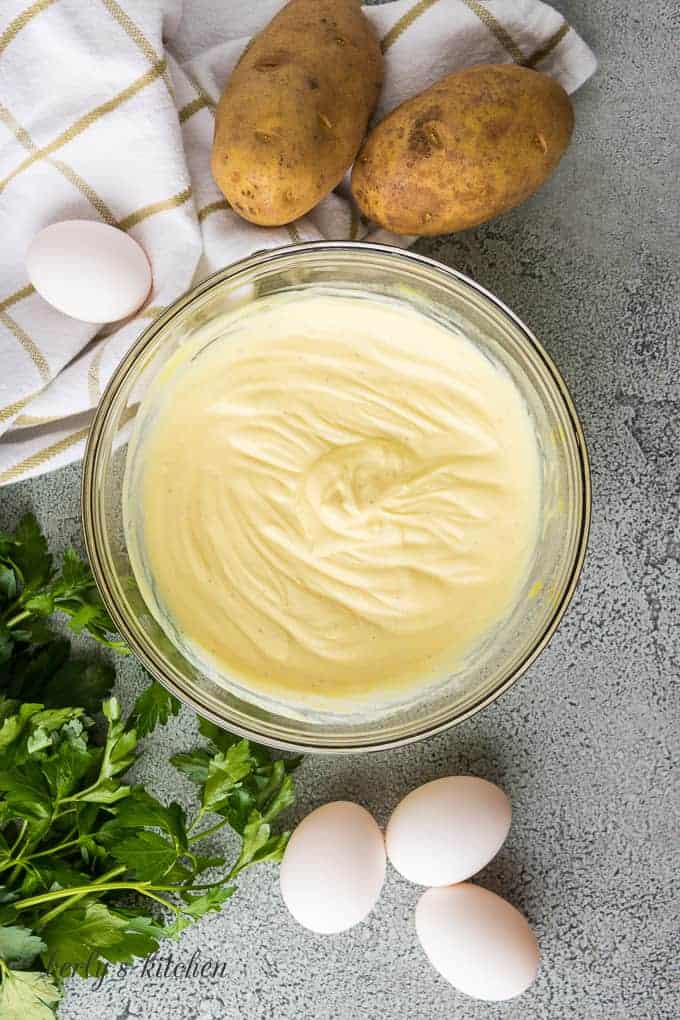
[[31, 589], [93, 870]]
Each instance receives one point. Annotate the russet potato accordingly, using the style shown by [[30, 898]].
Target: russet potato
[[475, 144], [295, 110]]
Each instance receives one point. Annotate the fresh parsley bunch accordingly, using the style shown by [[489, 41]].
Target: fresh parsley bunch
[[31, 590], [93, 870]]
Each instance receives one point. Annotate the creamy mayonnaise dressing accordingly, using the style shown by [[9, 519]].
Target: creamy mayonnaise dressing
[[333, 499]]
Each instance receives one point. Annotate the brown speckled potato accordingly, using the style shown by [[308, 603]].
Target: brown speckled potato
[[472, 146], [295, 109]]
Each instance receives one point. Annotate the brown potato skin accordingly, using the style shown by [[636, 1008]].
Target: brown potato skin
[[295, 109], [475, 144]]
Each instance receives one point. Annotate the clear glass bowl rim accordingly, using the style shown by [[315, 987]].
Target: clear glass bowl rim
[[91, 523]]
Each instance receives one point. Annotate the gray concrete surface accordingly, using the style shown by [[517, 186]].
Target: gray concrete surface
[[586, 744]]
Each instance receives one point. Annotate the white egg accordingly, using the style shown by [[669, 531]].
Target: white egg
[[89, 270], [477, 941], [448, 830], [333, 868]]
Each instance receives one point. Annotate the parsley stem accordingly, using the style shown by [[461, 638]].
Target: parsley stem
[[16, 871], [196, 820], [137, 887], [62, 814], [51, 914], [208, 831], [75, 797], [18, 618], [204, 885], [159, 899], [22, 831], [78, 892], [54, 849], [59, 894]]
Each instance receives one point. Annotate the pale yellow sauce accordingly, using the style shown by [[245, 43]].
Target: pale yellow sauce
[[337, 498]]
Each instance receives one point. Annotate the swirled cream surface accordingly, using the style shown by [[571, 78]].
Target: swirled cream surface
[[332, 499]]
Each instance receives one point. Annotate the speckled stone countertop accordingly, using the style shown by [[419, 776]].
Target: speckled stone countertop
[[585, 744]]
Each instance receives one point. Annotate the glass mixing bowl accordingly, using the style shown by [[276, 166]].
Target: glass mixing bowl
[[450, 298]]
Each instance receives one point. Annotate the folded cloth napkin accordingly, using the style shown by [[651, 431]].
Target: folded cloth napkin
[[106, 113]]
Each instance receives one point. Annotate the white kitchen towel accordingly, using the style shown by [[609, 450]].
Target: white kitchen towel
[[106, 112]]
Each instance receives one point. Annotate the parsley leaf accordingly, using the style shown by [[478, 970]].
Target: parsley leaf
[[27, 794], [83, 683], [19, 946], [6, 644], [140, 938], [29, 554], [198, 906], [27, 995], [14, 725], [147, 854], [224, 772], [8, 583], [31, 588], [259, 844], [28, 676], [193, 764], [87, 936], [153, 706], [141, 809], [221, 739]]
